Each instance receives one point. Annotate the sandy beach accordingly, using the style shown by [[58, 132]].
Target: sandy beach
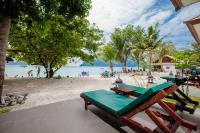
[[46, 91]]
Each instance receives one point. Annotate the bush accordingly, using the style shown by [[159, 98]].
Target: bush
[[4, 110], [58, 77]]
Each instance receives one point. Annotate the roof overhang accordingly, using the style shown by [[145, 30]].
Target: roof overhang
[[194, 27], [178, 4]]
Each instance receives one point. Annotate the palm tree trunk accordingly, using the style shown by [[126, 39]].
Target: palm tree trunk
[[125, 64], [138, 62], [150, 60], [4, 32], [111, 67], [122, 64]]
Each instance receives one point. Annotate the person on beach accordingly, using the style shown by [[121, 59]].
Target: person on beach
[[30, 73], [38, 72]]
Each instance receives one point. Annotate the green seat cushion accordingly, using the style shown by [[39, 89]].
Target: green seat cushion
[[109, 101]]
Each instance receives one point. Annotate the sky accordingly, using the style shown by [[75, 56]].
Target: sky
[[111, 14]]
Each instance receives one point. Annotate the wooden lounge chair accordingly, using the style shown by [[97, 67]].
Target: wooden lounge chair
[[182, 99], [123, 108]]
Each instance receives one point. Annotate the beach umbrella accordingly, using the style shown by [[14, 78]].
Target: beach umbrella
[[178, 4], [194, 27]]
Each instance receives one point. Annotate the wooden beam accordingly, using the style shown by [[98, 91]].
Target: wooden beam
[[178, 4], [190, 24]]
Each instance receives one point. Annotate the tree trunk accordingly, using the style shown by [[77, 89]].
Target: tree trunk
[[150, 61], [111, 67], [5, 23], [125, 64], [138, 62], [49, 74], [122, 63]]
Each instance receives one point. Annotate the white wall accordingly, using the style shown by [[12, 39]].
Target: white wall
[[168, 68]]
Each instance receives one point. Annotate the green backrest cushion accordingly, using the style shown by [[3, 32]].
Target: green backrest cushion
[[147, 95], [168, 77]]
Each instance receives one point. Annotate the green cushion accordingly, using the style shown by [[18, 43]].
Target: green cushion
[[149, 93], [139, 90], [109, 101], [119, 104], [168, 77]]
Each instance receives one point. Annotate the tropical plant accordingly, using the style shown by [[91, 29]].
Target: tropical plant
[[120, 39], [164, 49], [137, 56], [15, 10], [108, 55], [137, 53], [195, 57], [182, 59], [52, 44], [150, 41]]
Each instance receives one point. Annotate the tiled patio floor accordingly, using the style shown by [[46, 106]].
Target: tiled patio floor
[[68, 117]]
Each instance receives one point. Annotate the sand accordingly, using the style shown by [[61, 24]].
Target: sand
[[46, 91]]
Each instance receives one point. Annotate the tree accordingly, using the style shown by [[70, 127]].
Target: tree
[[136, 34], [120, 39], [195, 57], [137, 56], [12, 10], [53, 43], [188, 58], [149, 41], [182, 59], [108, 55], [165, 49]]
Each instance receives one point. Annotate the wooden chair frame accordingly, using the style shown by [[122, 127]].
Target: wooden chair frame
[[168, 124], [182, 99]]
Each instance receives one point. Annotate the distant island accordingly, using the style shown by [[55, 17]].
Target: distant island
[[101, 63]]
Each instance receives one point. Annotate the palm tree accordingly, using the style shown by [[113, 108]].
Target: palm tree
[[165, 49], [137, 56], [108, 55], [121, 45], [137, 34], [149, 41]]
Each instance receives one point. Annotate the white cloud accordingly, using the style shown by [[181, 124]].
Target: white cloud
[[109, 14], [153, 17], [176, 25]]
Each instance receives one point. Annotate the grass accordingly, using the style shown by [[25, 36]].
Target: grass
[[5, 110], [191, 105]]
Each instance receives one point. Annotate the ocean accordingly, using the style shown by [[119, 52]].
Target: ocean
[[72, 71]]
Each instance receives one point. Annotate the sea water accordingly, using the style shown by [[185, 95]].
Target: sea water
[[72, 71]]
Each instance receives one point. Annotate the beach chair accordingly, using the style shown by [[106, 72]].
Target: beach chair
[[181, 101], [123, 108]]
